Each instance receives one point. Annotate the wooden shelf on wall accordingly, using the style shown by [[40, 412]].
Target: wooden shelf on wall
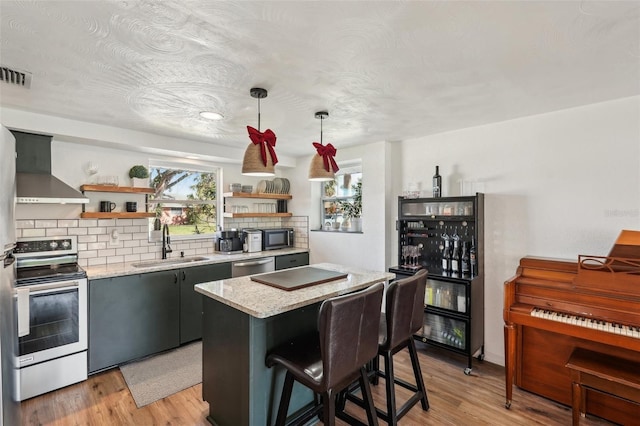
[[116, 215], [261, 195], [113, 188], [241, 215]]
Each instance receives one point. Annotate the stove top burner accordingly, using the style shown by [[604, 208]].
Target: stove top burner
[[50, 273]]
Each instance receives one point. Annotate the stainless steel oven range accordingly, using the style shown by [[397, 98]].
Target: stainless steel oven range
[[51, 306]]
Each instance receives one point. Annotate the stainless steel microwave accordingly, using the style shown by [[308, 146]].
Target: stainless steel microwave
[[277, 238]]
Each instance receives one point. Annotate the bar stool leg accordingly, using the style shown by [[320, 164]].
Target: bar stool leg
[[284, 400], [329, 408], [417, 372], [372, 418], [390, 387]]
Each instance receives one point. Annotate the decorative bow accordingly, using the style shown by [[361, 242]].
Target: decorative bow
[[327, 152], [266, 138]]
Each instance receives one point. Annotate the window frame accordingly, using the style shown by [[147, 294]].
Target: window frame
[[353, 168], [218, 202]]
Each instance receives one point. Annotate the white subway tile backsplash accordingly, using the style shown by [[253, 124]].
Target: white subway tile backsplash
[[77, 231], [95, 246], [52, 223], [124, 251], [56, 232], [33, 233], [97, 230], [22, 224], [68, 223], [115, 259], [87, 254], [107, 252], [96, 261]]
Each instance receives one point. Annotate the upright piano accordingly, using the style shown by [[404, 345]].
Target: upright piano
[[553, 306]]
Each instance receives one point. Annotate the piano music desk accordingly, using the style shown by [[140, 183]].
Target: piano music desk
[[602, 373]]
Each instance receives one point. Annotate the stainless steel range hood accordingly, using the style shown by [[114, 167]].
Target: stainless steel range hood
[[34, 182]]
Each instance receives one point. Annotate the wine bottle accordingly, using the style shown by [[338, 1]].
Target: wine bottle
[[472, 258], [446, 257], [455, 257], [437, 184], [464, 259]]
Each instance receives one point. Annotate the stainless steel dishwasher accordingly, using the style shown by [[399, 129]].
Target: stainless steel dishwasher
[[253, 266]]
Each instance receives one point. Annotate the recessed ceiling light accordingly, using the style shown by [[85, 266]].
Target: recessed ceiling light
[[193, 157], [210, 115]]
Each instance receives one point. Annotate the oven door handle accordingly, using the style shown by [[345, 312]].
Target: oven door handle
[[22, 294], [47, 288]]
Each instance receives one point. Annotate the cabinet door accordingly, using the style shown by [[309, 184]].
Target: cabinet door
[[440, 329], [191, 301], [447, 295], [131, 317], [291, 260]]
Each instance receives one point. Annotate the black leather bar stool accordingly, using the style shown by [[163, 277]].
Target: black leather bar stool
[[331, 359], [404, 310]]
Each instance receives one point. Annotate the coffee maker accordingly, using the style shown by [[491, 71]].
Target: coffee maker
[[228, 242]]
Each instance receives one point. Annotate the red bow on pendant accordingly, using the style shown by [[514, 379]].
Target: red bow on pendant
[[327, 152], [268, 139]]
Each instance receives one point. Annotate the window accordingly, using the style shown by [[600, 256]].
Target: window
[[341, 201], [185, 199]]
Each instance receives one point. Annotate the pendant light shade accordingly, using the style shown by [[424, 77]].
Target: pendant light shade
[[260, 156], [323, 166]]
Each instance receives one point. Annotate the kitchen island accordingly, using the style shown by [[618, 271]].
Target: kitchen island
[[242, 321]]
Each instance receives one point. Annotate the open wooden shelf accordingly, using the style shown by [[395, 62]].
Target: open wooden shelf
[[261, 195], [239, 215], [113, 188], [115, 215]]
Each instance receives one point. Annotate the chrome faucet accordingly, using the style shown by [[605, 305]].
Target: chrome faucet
[[166, 240]]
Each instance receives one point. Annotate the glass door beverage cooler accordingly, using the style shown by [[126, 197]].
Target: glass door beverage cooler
[[446, 237]]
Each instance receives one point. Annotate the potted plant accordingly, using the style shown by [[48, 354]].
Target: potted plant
[[352, 210], [139, 175]]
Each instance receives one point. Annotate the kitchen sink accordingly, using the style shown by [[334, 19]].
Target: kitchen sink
[[177, 261]]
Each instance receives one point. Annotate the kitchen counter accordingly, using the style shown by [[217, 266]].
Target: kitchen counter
[[262, 301], [243, 320], [121, 269]]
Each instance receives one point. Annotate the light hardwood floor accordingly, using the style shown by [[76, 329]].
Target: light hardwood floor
[[455, 399]]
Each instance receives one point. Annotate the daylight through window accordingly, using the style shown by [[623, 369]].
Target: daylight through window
[[185, 200], [341, 201]]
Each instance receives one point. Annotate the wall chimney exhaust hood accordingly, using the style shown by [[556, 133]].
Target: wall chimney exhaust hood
[[34, 182]]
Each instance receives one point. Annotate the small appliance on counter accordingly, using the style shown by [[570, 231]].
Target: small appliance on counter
[[229, 242], [252, 240], [277, 238]]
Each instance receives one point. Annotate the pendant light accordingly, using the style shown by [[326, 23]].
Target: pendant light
[[323, 166], [260, 155]]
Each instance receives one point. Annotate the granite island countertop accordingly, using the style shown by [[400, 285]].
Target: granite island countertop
[[121, 269], [262, 301]]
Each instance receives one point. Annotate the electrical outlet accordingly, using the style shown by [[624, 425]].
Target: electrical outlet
[[114, 238]]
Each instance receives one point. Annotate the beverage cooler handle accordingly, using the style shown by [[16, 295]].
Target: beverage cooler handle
[[23, 311]]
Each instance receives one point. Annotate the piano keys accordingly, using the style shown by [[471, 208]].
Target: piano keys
[[550, 309], [582, 321]]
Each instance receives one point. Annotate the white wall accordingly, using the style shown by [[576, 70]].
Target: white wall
[[557, 185], [369, 249]]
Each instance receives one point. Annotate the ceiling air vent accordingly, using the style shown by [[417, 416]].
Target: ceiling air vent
[[20, 78]]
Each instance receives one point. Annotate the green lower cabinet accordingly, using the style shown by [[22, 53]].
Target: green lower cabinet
[[291, 260], [191, 301], [132, 316]]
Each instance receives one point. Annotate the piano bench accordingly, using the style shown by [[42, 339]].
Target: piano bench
[[602, 373]]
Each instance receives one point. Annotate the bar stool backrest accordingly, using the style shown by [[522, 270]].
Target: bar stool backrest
[[404, 308], [348, 327]]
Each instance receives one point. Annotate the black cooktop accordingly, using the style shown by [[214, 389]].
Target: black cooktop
[[50, 273]]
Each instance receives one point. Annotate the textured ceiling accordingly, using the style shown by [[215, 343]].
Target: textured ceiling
[[384, 70]]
